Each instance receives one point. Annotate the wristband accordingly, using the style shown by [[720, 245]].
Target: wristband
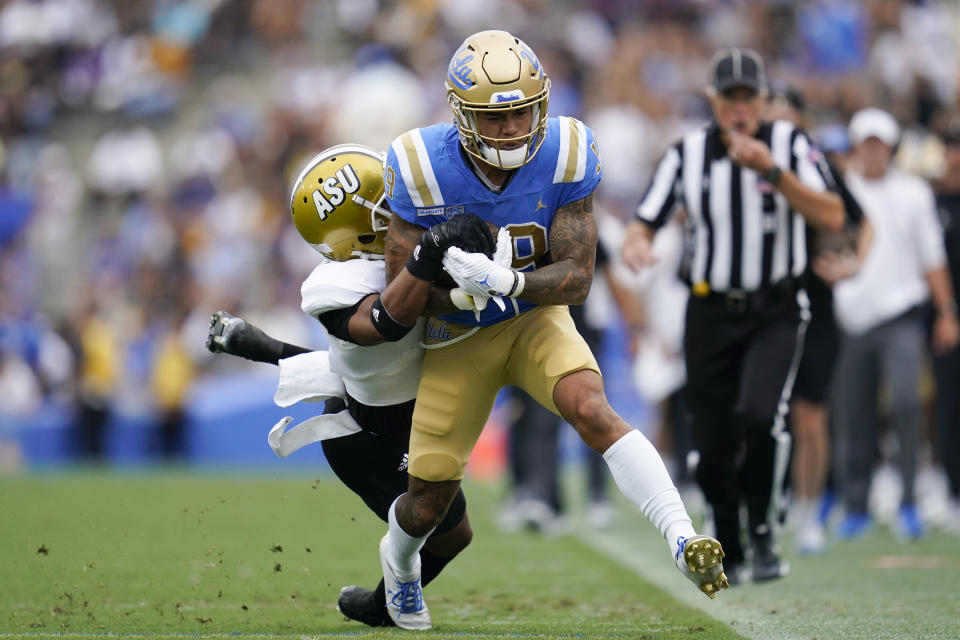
[[421, 266], [519, 282], [772, 175], [385, 324]]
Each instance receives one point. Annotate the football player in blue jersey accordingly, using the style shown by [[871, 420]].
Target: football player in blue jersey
[[533, 178]]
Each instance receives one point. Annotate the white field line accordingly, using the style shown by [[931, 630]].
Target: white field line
[[649, 557], [106, 635]]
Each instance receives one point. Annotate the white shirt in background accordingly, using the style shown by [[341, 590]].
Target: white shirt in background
[[907, 244]]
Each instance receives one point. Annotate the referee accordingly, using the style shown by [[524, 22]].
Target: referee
[[749, 188]]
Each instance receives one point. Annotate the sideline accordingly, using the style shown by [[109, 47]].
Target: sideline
[[647, 556]]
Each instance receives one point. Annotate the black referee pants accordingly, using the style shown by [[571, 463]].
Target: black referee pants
[[741, 363]]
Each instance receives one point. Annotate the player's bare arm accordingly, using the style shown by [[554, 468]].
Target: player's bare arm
[[402, 237], [403, 300], [573, 245], [392, 314]]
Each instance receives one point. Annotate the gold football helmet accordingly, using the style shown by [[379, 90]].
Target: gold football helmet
[[495, 71], [337, 203]]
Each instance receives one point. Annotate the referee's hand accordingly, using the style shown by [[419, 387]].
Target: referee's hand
[[637, 249], [748, 151]]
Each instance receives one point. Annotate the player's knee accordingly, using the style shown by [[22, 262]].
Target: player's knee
[[436, 467], [427, 503], [589, 410], [579, 395], [594, 419]]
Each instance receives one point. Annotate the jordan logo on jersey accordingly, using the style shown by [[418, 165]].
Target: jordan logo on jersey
[[540, 205]]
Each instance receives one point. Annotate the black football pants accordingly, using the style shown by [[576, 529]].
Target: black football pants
[[373, 462], [740, 370]]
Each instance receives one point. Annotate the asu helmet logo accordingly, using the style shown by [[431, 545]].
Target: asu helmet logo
[[337, 203], [335, 190]]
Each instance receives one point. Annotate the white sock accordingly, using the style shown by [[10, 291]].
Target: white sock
[[641, 475], [403, 549]]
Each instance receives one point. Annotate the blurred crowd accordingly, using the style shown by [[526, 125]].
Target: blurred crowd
[[148, 148]]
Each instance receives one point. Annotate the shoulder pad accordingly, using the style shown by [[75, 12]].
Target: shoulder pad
[[338, 285], [414, 165], [574, 150]]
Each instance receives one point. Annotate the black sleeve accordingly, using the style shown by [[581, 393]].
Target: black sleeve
[[852, 208], [336, 321], [253, 344], [288, 350]]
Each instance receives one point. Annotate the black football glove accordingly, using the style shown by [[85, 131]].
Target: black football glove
[[465, 230]]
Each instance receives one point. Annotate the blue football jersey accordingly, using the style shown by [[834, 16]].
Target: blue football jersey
[[428, 180]]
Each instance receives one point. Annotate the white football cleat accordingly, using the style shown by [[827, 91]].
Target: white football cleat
[[405, 603], [700, 558]]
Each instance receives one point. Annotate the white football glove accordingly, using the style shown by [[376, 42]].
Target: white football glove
[[481, 278]]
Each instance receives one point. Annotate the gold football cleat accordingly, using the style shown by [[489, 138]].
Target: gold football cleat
[[703, 559]]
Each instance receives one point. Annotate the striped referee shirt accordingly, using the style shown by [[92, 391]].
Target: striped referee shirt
[[742, 233]]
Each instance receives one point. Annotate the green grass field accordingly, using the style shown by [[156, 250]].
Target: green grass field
[[171, 555]]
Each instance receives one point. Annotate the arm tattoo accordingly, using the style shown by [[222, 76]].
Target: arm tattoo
[[402, 237], [573, 245]]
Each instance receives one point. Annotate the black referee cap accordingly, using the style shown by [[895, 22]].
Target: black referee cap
[[733, 68]]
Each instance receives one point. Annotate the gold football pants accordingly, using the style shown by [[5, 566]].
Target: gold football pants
[[460, 383]]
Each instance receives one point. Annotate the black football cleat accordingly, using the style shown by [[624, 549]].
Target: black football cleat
[[767, 563], [358, 604]]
